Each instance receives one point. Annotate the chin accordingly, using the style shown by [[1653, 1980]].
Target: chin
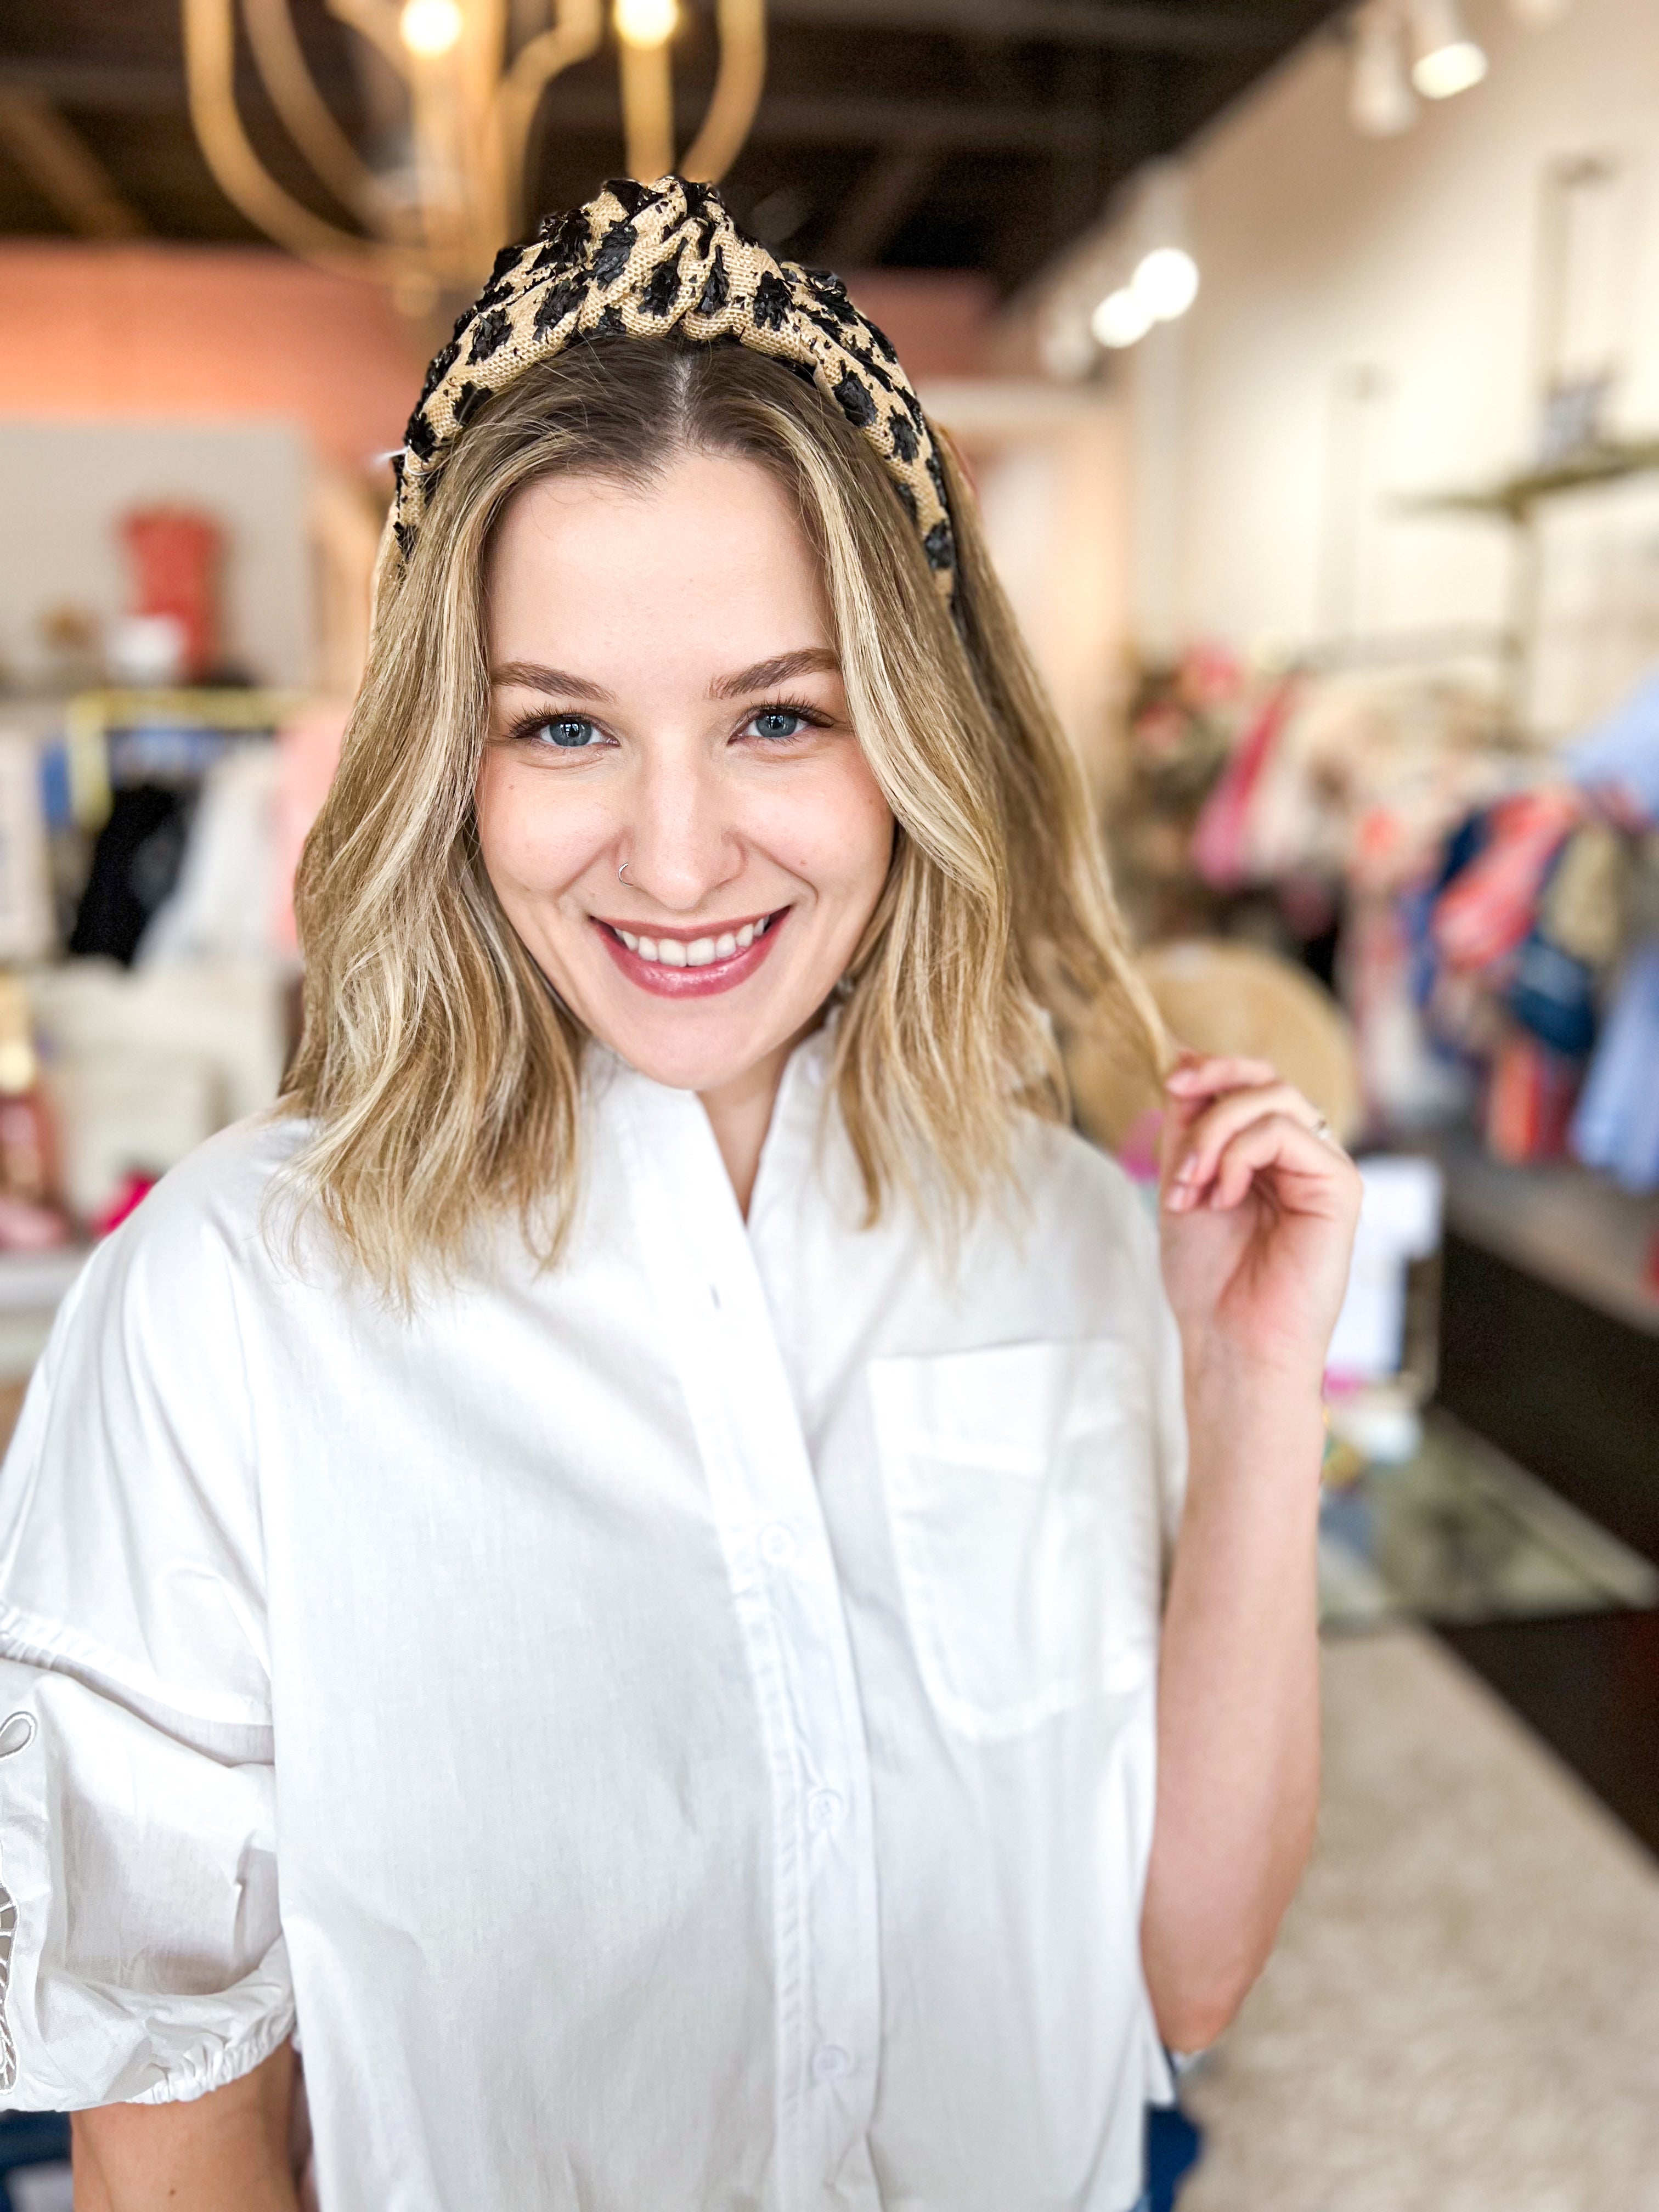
[[686, 1048]]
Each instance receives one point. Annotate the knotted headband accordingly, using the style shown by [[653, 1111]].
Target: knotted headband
[[645, 260]]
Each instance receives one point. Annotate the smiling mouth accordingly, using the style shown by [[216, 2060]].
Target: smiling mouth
[[702, 951], [692, 965]]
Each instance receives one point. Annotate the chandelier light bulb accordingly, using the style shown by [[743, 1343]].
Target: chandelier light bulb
[[1122, 319], [1381, 102], [646, 22], [1447, 60], [1165, 283], [431, 27]]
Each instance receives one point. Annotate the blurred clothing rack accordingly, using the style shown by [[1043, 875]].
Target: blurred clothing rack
[[195, 718]]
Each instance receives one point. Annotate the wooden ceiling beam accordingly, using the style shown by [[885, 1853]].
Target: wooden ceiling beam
[[1129, 26], [63, 169], [826, 119]]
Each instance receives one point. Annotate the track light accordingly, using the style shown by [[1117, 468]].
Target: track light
[[1447, 60], [1122, 319], [1166, 283], [1381, 102]]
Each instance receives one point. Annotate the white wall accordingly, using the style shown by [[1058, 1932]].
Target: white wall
[[1366, 328], [64, 486]]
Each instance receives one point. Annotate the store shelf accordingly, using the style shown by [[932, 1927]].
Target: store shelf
[[1561, 1224]]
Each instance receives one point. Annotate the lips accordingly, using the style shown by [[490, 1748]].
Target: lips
[[692, 966]]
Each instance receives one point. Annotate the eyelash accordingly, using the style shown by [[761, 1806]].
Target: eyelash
[[531, 725]]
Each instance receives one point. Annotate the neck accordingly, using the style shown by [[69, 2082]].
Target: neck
[[740, 1114]]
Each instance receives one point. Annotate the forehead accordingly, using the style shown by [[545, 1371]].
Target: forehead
[[705, 563]]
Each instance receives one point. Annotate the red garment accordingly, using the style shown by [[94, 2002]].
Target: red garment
[[1487, 908], [175, 553]]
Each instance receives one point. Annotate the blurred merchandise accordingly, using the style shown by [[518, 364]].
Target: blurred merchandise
[[1218, 997], [219, 906], [135, 861], [26, 926], [148, 651], [307, 754], [174, 553], [71, 652], [1399, 1224], [29, 1218], [1616, 1128], [1486, 900], [144, 1065]]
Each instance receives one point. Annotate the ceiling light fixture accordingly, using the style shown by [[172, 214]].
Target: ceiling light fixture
[[1381, 102], [1166, 283], [431, 27], [1122, 319], [646, 22], [1447, 60], [473, 74]]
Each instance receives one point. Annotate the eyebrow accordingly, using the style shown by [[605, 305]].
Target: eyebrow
[[809, 660], [559, 682], [533, 676]]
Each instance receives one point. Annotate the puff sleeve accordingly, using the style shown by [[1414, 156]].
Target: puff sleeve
[[140, 1948]]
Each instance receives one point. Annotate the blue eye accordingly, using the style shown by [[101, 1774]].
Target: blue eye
[[777, 722], [569, 730]]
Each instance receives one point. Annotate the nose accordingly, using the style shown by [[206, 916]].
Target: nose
[[679, 839]]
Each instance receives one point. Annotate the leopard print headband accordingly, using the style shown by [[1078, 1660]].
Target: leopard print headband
[[644, 260]]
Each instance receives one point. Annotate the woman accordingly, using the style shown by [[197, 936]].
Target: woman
[[606, 1563]]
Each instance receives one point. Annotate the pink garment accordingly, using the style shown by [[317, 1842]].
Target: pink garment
[[1218, 846], [308, 753]]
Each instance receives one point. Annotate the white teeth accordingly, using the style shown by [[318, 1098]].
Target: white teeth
[[700, 951]]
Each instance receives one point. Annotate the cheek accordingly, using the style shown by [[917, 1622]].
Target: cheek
[[839, 831], [533, 836]]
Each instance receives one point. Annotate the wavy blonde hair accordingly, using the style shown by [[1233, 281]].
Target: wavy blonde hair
[[441, 1072]]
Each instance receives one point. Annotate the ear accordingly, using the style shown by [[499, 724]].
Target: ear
[[17, 1731]]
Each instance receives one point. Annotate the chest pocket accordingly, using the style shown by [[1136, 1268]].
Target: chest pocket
[[1023, 1496]]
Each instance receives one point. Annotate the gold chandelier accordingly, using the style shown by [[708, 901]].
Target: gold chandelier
[[470, 76]]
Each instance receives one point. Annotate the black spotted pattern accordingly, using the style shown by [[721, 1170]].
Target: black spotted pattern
[[671, 257], [490, 334]]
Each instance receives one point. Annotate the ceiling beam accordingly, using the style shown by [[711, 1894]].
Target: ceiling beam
[[64, 168], [1141, 26], [821, 120], [831, 121], [896, 181]]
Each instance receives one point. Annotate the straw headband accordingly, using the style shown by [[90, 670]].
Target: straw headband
[[645, 260]]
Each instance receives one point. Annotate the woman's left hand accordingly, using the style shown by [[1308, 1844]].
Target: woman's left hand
[[1258, 1213]]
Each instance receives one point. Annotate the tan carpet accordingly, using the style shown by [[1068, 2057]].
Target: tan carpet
[[1463, 2012]]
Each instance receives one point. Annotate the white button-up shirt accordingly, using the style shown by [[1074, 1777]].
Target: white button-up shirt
[[676, 1730]]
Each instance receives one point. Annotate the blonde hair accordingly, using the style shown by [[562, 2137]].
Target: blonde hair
[[442, 1074]]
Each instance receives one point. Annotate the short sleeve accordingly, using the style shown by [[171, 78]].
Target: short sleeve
[[141, 1950]]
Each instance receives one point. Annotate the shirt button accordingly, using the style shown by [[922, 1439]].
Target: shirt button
[[824, 1808], [830, 2063], [777, 1544]]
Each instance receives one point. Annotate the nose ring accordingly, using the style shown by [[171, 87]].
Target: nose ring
[[621, 871]]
